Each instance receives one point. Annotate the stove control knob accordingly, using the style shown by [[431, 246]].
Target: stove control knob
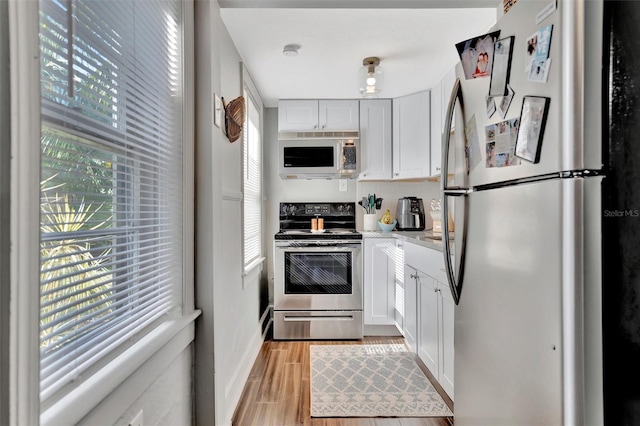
[[348, 208], [340, 208]]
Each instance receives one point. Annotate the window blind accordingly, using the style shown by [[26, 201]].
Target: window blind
[[252, 183], [111, 187]]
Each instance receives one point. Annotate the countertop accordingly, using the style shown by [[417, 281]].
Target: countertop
[[423, 238]]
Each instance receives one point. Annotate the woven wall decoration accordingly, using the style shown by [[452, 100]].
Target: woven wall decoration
[[233, 118]]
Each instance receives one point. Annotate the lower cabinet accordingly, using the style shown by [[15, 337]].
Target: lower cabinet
[[429, 323], [435, 312], [403, 286], [410, 325], [379, 281], [436, 324]]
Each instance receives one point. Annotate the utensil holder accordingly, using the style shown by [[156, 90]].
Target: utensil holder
[[370, 222], [436, 216]]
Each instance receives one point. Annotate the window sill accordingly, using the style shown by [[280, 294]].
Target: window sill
[[172, 336], [252, 271]]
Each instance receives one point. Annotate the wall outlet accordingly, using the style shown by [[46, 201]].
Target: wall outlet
[[342, 185], [138, 420]]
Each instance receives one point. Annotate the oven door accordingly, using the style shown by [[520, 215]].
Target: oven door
[[318, 275]]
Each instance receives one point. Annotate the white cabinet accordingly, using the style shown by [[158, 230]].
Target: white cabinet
[[399, 285], [436, 128], [298, 115], [379, 281], [428, 346], [411, 136], [435, 312], [440, 95], [436, 323], [447, 86], [410, 324], [338, 115], [375, 139], [447, 316]]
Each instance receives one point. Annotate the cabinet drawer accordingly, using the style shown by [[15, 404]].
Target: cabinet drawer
[[425, 260]]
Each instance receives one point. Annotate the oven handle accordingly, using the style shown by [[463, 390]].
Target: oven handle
[[321, 248], [297, 318]]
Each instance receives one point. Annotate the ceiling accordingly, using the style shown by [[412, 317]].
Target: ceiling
[[415, 41]]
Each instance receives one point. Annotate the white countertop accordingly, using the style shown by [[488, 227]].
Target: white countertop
[[423, 238]]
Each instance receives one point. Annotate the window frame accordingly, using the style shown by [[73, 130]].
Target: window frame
[[146, 357], [251, 93]]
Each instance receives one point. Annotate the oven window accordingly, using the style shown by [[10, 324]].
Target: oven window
[[318, 273], [308, 156]]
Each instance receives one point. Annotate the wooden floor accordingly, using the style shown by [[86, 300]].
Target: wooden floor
[[277, 391]]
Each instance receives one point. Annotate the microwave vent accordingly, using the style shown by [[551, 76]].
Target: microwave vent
[[349, 134]]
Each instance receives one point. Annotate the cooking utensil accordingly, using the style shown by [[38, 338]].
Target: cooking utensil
[[365, 204], [378, 203]]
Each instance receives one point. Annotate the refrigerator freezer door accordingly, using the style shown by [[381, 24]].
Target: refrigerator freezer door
[[508, 324], [562, 147]]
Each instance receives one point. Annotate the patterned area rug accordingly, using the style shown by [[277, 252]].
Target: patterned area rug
[[370, 381]]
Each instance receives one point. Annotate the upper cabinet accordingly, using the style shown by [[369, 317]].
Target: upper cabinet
[[375, 139], [299, 115], [440, 95], [436, 128], [412, 136]]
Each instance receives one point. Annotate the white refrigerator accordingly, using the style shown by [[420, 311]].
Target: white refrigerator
[[526, 270]]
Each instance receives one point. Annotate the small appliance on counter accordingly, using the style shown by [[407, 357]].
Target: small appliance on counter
[[410, 214]]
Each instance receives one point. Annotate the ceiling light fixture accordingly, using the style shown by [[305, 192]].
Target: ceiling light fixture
[[371, 77], [291, 50]]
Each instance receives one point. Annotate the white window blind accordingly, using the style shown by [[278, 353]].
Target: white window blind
[[252, 184], [111, 187]]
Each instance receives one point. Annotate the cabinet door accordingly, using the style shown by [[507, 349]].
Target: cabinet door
[[375, 139], [447, 308], [297, 115], [379, 281], [447, 86], [411, 136], [436, 128], [429, 323], [410, 323], [399, 287], [339, 115]]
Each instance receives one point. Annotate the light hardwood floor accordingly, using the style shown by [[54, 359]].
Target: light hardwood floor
[[277, 391]]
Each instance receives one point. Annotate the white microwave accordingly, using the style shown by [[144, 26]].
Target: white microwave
[[318, 158]]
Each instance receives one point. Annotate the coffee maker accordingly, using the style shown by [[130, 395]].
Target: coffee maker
[[410, 214]]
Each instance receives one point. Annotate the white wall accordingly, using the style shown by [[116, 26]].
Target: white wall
[[228, 335]]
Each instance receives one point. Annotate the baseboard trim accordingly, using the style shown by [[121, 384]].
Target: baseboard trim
[[235, 387], [381, 330]]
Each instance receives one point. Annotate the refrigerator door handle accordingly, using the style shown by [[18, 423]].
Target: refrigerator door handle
[[453, 191]]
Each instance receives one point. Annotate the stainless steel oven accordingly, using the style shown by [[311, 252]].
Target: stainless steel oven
[[318, 275]]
